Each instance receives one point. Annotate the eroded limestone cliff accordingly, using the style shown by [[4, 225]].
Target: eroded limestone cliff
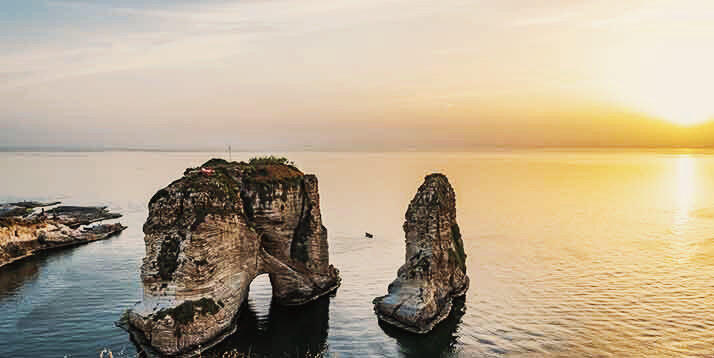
[[24, 231], [210, 233], [435, 269]]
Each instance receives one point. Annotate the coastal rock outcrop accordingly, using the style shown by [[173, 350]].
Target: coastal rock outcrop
[[210, 233], [24, 231], [76, 216], [435, 269]]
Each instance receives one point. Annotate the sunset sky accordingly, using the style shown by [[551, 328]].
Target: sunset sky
[[356, 75]]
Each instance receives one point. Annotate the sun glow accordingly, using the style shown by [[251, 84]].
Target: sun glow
[[664, 76], [682, 93], [684, 109], [677, 96]]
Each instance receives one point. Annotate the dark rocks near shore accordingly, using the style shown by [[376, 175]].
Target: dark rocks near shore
[[23, 208], [75, 216], [435, 269], [210, 233], [24, 231]]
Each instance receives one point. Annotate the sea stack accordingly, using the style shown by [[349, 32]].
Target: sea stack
[[435, 269], [210, 233]]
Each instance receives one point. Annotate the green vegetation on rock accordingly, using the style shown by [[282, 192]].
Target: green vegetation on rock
[[274, 174], [271, 159], [185, 312]]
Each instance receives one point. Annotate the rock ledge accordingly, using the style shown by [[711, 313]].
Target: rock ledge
[[24, 231]]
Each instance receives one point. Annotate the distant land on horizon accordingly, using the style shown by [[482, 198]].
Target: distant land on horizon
[[615, 130], [483, 148]]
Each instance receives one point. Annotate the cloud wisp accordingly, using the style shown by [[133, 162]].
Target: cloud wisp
[[235, 64]]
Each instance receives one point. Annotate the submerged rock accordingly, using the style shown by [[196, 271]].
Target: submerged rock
[[435, 269], [24, 231], [210, 233]]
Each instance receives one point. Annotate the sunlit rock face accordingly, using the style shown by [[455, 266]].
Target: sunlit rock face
[[24, 231], [210, 233], [435, 269]]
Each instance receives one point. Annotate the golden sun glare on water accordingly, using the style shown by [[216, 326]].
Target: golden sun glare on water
[[684, 191]]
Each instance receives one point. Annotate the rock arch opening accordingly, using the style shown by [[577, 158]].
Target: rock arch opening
[[260, 298], [211, 234], [269, 329]]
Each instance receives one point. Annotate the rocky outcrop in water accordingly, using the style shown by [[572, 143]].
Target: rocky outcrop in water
[[435, 269], [76, 216], [210, 233], [24, 231]]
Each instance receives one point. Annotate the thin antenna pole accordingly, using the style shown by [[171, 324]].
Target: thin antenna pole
[[230, 155]]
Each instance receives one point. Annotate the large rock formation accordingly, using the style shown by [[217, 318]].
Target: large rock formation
[[210, 233], [24, 231], [435, 269]]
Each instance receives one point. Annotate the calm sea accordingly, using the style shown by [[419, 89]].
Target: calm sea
[[570, 254]]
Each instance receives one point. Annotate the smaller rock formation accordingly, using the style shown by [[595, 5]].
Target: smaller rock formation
[[24, 231], [435, 269]]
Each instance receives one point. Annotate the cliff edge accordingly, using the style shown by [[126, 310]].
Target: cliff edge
[[210, 233]]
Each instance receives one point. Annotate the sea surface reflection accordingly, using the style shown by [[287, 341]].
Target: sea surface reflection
[[18, 274], [279, 332], [441, 341], [570, 254]]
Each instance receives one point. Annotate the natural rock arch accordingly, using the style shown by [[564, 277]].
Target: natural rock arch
[[210, 233]]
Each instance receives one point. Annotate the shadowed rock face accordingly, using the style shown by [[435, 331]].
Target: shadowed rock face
[[210, 233], [435, 269]]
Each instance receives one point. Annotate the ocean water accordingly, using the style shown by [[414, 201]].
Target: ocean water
[[570, 254]]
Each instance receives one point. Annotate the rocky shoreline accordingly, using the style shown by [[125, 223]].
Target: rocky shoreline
[[25, 230]]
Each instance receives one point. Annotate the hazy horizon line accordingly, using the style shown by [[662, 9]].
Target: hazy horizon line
[[475, 148]]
